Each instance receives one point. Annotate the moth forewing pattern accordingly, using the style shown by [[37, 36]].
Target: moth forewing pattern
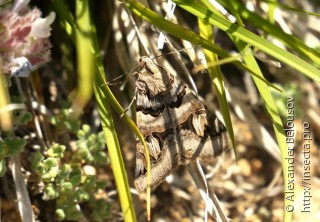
[[176, 125]]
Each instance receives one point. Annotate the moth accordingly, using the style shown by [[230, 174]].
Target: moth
[[176, 125]]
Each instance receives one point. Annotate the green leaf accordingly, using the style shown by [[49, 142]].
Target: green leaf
[[66, 187], [75, 177], [11, 146], [60, 215], [51, 191], [56, 150]]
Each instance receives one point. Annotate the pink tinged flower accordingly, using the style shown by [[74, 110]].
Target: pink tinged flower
[[24, 39], [21, 33]]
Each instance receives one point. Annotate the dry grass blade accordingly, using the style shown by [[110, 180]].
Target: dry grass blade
[[23, 198], [212, 204]]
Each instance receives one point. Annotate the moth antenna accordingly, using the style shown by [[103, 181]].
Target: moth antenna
[[114, 82], [176, 51]]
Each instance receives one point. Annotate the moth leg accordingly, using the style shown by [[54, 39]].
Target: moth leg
[[133, 99]]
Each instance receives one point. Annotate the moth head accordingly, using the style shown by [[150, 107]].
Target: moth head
[[152, 78], [143, 61]]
